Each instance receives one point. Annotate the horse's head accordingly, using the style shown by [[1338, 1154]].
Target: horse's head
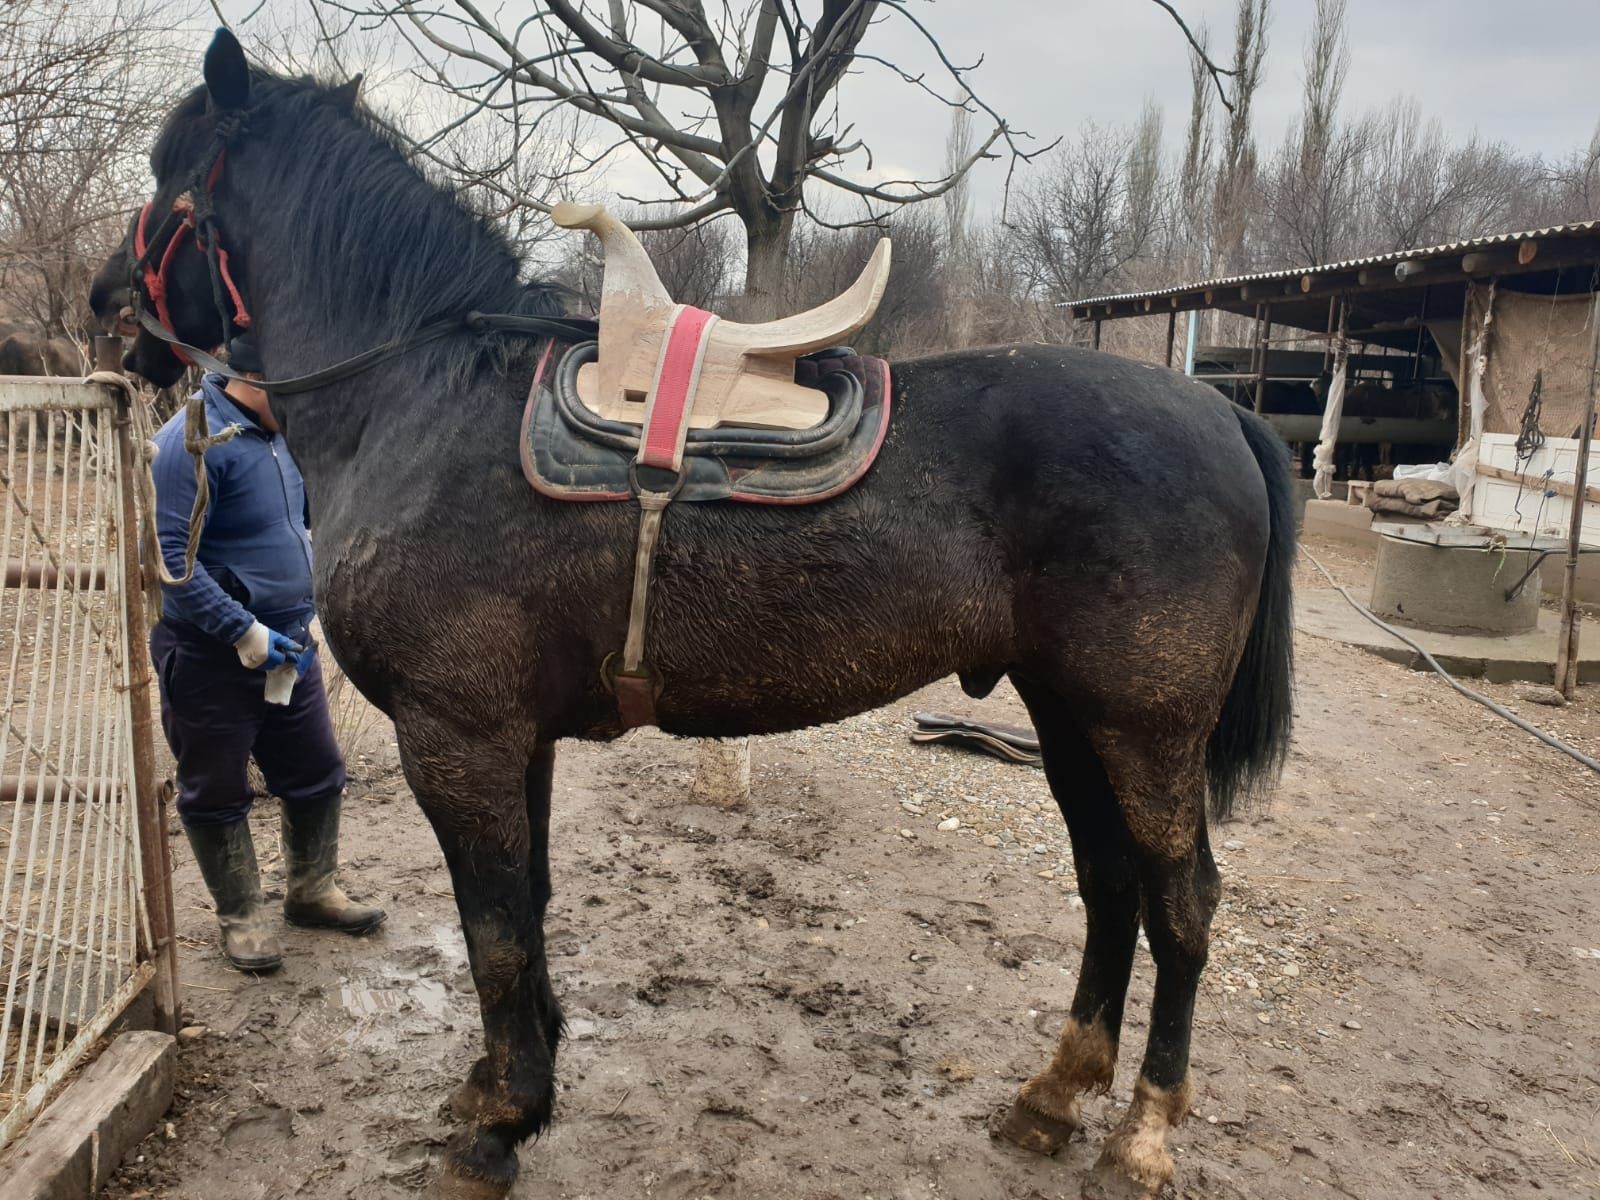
[[166, 270]]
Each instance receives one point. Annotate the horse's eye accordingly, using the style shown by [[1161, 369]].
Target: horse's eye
[[127, 323]]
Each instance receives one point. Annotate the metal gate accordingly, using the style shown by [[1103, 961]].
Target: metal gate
[[85, 899]]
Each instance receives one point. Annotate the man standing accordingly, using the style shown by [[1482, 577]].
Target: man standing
[[239, 675]]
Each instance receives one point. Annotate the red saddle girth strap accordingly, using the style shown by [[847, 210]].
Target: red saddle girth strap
[[666, 425]]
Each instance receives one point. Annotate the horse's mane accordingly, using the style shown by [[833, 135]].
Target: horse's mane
[[367, 221]]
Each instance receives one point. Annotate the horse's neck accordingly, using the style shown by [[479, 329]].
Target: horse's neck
[[393, 409]]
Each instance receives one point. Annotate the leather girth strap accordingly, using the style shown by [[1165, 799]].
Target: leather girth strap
[[660, 458]]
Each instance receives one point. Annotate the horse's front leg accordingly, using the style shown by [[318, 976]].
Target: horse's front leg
[[475, 791]]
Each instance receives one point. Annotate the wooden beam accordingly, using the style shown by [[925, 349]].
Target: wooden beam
[[1261, 371], [1410, 269], [78, 1141], [1567, 646], [1097, 333], [1559, 486], [1527, 251], [1487, 262]]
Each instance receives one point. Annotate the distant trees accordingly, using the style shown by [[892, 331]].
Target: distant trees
[[82, 90]]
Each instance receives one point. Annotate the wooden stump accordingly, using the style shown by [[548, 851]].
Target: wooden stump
[[722, 775]]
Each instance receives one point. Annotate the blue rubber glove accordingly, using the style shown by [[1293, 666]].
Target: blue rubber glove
[[303, 663], [280, 650], [263, 649]]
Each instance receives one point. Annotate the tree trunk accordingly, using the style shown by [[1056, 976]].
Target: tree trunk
[[767, 247], [722, 773]]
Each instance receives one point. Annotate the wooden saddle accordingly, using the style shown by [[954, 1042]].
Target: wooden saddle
[[744, 374]]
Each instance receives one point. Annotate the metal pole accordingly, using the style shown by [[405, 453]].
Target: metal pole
[[148, 795], [1261, 370], [1567, 649], [1190, 339], [1172, 330]]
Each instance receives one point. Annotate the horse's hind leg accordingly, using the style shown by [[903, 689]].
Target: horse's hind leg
[[1047, 1109], [475, 791], [1160, 785]]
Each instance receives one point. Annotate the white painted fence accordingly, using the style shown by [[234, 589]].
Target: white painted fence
[[85, 901]]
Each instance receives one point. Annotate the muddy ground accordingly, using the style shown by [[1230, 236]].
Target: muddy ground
[[824, 996]]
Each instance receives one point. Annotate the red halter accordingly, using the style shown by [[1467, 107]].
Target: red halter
[[154, 277]]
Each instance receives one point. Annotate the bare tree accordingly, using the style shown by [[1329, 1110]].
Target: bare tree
[[1575, 183], [697, 265], [1092, 210], [735, 111], [1235, 185], [1312, 187], [1195, 172], [81, 90], [958, 275]]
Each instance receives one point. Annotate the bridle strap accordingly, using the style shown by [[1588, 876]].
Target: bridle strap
[[567, 329], [192, 212], [198, 215]]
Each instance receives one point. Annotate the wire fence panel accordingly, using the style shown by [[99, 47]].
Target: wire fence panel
[[75, 927]]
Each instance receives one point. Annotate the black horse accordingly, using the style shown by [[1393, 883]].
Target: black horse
[[1115, 539]]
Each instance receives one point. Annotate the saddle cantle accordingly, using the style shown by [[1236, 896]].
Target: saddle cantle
[[672, 403]]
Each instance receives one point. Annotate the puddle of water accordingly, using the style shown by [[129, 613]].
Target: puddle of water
[[451, 942], [426, 996]]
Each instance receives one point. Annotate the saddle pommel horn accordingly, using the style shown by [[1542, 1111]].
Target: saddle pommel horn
[[628, 266], [747, 375]]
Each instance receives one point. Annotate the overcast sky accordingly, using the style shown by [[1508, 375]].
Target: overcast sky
[[1526, 72]]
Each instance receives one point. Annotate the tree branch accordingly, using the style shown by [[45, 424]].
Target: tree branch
[[628, 59], [1216, 72]]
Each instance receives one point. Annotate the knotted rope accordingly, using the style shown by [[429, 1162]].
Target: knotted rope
[[197, 439]]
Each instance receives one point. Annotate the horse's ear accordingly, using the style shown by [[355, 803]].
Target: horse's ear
[[347, 93], [227, 72]]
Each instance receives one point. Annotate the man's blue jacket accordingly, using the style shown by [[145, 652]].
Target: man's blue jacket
[[255, 554]]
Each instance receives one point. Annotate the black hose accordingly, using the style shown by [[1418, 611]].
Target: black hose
[[1499, 710]]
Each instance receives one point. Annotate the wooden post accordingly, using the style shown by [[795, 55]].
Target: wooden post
[[1422, 324], [1327, 346], [1265, 339], [1096, 344], [149, 799], [1567, 649], [1172, 333], [1463, 378]]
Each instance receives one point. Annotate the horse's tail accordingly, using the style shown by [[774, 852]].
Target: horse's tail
[[1249, 744]]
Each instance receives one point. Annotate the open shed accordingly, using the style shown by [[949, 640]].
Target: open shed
[[1395, 323]]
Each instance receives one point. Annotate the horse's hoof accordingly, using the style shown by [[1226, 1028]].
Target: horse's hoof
[[1131, 1169], [1032, 1130]]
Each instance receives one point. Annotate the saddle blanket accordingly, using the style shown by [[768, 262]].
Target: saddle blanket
[[569, 452]]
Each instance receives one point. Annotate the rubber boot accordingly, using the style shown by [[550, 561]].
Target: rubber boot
[[310, 855], [227, 859]]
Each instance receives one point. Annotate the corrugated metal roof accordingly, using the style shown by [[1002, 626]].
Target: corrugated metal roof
[[1575, 229]]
